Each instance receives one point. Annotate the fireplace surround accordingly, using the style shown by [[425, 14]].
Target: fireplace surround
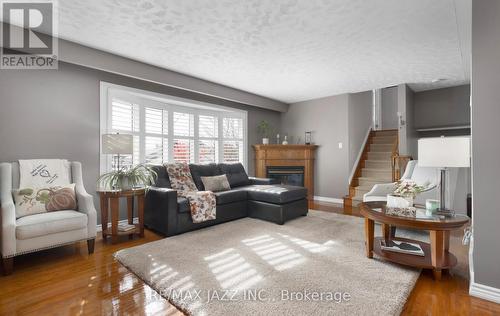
[[286, 158]]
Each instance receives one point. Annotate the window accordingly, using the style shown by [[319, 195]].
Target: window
[[184, 137], [171, 129], [208, 141], [232, 139]]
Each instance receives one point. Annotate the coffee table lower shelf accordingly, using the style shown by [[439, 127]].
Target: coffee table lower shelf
[[423, 262]]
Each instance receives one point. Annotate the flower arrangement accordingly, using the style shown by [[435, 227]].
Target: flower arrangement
[[409, 188]]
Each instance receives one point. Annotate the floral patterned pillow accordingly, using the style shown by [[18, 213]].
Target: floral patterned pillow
[[31, 201]]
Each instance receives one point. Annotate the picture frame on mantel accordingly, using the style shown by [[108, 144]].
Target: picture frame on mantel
[[308, 138]]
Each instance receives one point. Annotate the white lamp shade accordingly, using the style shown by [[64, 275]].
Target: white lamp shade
[[118, 144], [451, 152]]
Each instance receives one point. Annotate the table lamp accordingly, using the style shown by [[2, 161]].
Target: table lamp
[[444, 152], [117, 144]]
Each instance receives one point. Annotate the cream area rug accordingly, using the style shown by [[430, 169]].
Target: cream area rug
[[313, 265]]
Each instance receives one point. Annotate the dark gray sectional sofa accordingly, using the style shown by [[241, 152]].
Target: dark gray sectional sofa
[[169, 214]]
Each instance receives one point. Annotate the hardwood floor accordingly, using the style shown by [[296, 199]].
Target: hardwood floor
[[450, 296], [67, 281]]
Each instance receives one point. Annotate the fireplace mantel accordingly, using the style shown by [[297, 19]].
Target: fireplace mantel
[[287, 155]]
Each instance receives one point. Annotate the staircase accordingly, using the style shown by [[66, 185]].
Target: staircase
[[374, 166]]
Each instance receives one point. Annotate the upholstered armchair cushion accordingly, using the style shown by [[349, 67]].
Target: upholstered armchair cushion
[[49, 223]]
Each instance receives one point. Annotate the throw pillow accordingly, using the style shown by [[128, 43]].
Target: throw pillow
[[216, 183], [31, 201]]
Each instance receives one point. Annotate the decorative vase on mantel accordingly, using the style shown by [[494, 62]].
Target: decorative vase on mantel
[[285, 140], [265, 141]]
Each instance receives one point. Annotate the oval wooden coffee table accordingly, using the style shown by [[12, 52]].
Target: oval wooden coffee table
[[437, 256]]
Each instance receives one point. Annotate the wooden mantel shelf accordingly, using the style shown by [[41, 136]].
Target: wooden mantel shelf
[[287, 155], [261, 146]]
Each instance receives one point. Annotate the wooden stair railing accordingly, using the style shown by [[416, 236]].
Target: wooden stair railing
[[398, 162]]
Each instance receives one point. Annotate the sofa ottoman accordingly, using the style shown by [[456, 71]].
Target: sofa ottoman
[[276, 203]]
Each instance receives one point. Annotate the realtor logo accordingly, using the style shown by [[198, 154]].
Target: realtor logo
[[29, 40]]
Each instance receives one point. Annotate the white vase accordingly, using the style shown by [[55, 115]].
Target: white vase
[[265, 141], [396, 201], [409, 199]]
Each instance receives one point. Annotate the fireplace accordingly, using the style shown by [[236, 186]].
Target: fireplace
[[291, 163], [291, 175]]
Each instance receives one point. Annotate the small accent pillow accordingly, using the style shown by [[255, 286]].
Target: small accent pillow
[[216, 183], [31, 201]]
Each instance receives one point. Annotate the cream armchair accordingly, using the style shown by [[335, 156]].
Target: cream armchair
[[46, 230], [421, 175]]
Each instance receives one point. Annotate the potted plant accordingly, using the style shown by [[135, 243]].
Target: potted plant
[[140, 175], [264, 129]]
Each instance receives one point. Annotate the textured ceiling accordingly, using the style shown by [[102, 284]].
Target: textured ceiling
[[285, 50]]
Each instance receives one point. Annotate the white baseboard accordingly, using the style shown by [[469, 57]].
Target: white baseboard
[[123, 221], [485, 292], [328, 199]]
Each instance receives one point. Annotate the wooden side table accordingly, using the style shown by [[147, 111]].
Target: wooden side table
[[437, 255], [110, 200]]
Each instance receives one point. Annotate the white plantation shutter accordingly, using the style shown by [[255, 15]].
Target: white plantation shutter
[[208, 144], [184, 150], [183, 137], [207, 151], [183, 124], [125, 119], [121, 116], [156, 151], [233, 151], [208, 127], [156, 135], [164, 132], [232, 128], [156, 121]]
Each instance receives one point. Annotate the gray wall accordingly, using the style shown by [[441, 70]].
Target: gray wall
[[442, 107], [337, 119], [55, 114], [328, 119], [360, 122], [408, 138], [485, 143], [411, 131], [390, 108]]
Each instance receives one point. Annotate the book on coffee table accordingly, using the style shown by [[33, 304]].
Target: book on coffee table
[[402, 247]]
